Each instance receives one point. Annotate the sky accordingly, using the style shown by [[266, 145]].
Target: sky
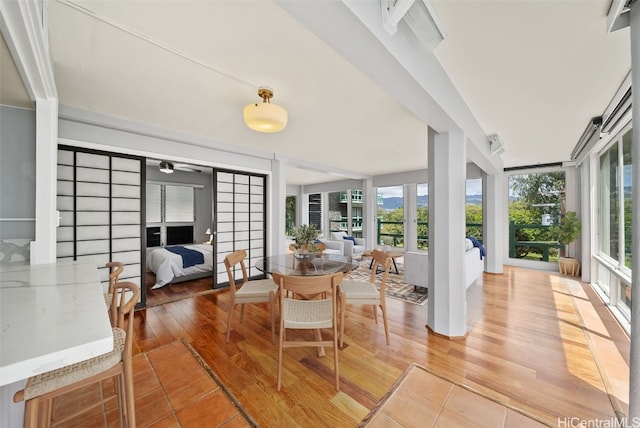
[[474, 187]]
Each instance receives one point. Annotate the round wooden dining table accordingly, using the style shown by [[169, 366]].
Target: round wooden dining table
[[292, 264]]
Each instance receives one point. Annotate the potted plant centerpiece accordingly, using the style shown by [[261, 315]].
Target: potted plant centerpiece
[[304, 238], [567, 231]]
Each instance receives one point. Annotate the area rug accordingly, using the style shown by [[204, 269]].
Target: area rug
[[396, 287]]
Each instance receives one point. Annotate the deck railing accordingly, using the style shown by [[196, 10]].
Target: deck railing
[[524, 246]]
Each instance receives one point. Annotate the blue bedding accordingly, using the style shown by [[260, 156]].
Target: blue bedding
[[189, 257]]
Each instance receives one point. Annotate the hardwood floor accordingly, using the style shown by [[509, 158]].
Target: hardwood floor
[[531, 342]]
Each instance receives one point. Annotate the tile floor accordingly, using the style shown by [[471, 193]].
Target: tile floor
[[172, 389], [421, 399]]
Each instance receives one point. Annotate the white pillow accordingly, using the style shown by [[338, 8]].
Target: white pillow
[[337, 236], [468, 244]]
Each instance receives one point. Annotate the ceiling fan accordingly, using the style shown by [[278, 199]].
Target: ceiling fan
[[168, 167]]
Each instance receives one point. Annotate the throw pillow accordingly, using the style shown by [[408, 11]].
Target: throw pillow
[[350, 238]]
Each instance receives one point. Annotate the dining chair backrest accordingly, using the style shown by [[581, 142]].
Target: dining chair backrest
[[126, 295], [384, 260], [307, 285], [115, 269], [230, 261]]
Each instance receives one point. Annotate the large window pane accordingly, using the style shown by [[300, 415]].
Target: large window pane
[[422, 216], [154, 208], [628, 219], [474, 208], [391, 216], [609, 216], [535, 204], [179, 204], [290, 220]]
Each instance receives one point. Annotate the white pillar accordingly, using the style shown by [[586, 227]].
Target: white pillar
[[587, 201], [634, 360], [493, 189], [277, 222], [447, 314], [43, 249], [410, 217], [369, 213]]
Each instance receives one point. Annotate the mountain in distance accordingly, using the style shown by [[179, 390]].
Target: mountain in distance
[[394, 202]]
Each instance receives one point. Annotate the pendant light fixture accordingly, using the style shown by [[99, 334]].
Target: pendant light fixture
[[265, 117]]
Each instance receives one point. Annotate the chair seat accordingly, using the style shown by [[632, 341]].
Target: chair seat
[[255, 291], [360, 292], [307, 314], [64, 376]]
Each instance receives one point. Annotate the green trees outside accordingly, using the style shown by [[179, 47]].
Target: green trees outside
[[536, 200], [396, 217], [290, 217]]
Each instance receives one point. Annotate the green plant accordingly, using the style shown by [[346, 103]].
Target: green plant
[[305, 235], [568, 230]]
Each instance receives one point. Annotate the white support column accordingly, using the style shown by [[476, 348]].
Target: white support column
[[369, 213], [447, 314], [410, 217], [634, 360], [587, 198], [277, 222], [43, 249], [493, 189], [302, 207]]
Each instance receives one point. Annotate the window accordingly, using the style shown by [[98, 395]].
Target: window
[[179, 206], [345, 211], [422, 216], [536, 201], [168, 205], [474, 207], [290, 214], [609, 202], [391, 216], [315, 210], [613, 248]]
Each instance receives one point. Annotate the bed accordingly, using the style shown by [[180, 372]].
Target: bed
[[168, 266]]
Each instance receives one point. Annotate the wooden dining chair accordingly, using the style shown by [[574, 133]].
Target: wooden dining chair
[[254, 291], [365, 293], [115, 269], [308, 313], [41, 389]]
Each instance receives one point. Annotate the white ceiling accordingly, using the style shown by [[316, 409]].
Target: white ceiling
[[534, 72]]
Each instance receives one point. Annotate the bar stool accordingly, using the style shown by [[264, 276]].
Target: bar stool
[[41, 389]]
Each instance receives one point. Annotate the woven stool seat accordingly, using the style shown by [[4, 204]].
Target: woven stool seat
[[41, 390], [56, 379]]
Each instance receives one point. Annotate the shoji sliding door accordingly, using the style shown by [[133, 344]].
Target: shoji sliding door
[[239, 220], [100, 199]]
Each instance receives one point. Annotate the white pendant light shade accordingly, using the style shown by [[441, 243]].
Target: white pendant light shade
[[265, 117]]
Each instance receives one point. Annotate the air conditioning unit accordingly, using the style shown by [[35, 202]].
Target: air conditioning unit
[[419, 15]]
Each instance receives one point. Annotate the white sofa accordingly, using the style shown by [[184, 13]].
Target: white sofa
[[351, 249], [416, 266]]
